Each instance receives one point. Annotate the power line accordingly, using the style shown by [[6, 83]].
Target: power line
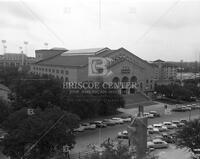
[[42, 22], [151, 27]]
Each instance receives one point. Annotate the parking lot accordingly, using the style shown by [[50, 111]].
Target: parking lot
[[99, 135]]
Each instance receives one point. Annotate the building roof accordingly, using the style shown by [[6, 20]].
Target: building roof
[[79, 58], [90, 51], [72, 58], [3, 87], [159, 60]]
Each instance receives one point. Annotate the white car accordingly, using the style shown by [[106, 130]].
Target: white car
[[196, 153], [79, 129], [157, 144], [169, 125], [123, 135], [148, 115], [152, 130], [118, 120], [161, 127], [127, 119]]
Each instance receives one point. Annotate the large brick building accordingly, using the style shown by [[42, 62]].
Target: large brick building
[[72, 65]]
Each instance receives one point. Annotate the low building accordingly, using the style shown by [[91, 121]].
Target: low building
[[16, 59], [4, 92], [73, 65]]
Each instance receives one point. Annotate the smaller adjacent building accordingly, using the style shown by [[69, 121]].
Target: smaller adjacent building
[[15, 59], [165, 72], [4, 91]]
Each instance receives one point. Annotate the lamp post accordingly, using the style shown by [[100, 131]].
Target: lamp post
[[46, 45], [4, 46], [26, 47]]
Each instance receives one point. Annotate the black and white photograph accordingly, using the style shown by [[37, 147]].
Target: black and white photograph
[[99, 79]]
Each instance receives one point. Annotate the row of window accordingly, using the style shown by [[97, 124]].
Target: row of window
[[37, 68], [66, 79]]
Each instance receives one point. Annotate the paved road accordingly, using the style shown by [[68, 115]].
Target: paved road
[[99, 135]]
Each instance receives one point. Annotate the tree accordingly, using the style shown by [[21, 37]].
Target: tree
[[115, 150], [24, 130], [4, 110], [189, 135], [35, 91], [88, 105]]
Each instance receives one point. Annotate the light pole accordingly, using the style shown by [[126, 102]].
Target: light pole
[[46, 45], [26, 48], [4, 46]]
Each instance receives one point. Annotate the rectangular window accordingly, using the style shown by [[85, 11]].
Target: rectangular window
[[66, 72], [62, 71], [57, 71]]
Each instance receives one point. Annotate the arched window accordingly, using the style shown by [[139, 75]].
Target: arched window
[[133, 79], [116, 80], [125, 79]]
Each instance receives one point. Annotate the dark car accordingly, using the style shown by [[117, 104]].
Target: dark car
[[183, 121], [155, 113], [168, 138], [99, 124]]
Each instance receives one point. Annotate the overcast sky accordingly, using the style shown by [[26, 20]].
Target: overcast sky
[[162, 29]]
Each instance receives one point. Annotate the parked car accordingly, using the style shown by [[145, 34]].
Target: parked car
[[157, 144], [168, 138], [186, 108], [196, 154], [152, 130], [109, 122], [79, 129], [99, 124], [178, 123], [161, 127], [178, 109], [126, 119], [89, 126], [123, 135], [195, 106], [118, 120], [183, 121], [155, 113], [148, 115], [169, 125]]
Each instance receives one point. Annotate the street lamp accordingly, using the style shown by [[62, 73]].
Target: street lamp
[[26, 44], [46, 45], [4, 46]]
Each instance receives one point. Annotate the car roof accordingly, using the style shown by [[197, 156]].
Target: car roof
[[157, 140]]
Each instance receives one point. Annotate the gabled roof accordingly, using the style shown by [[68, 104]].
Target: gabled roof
[[79, 58], [159, 60]]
